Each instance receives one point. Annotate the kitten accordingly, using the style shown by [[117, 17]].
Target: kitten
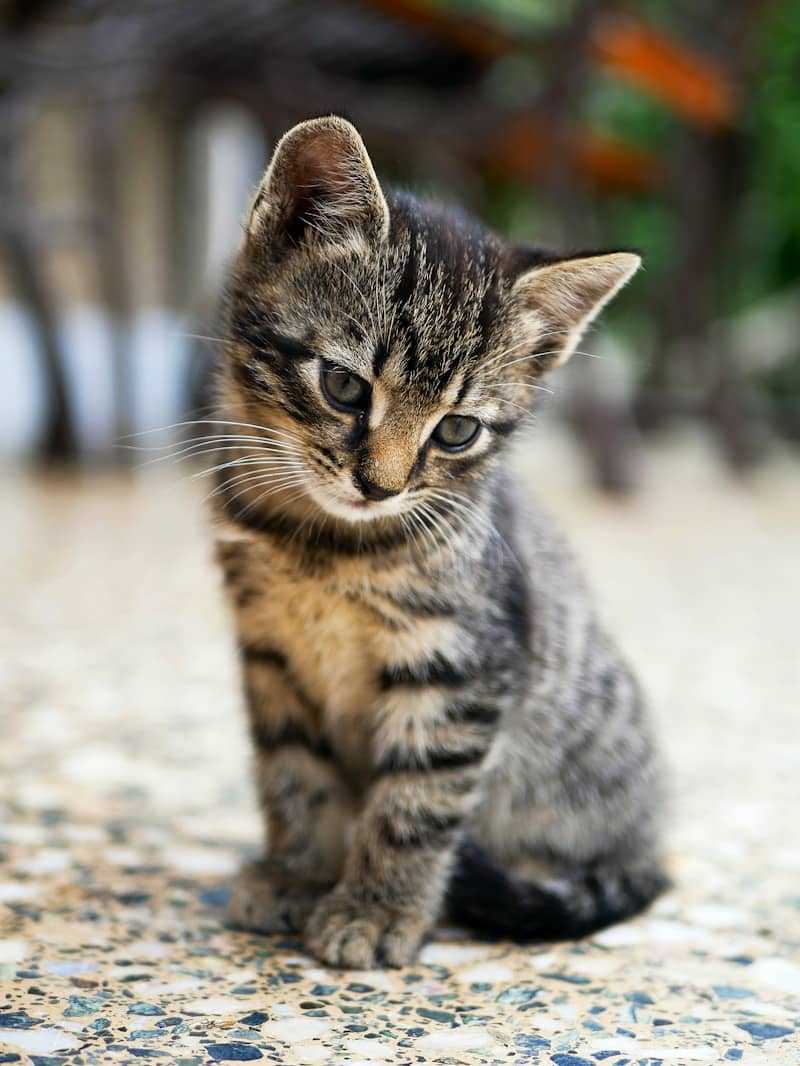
[[440, 723]]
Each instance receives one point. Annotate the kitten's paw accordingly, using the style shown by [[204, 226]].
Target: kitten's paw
[[266, 899], [346, 932]]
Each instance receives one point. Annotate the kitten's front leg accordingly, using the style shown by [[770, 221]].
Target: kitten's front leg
[[429, 761], [307, 807]]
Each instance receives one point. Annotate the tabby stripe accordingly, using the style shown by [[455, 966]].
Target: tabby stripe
[[233, 572], [436, 671], [380, 357], [249, 376], [502, 429], [489, 308], [269, 737], [397, 761], [516, 608], [255, 656], [327, 456], [356, 437], [230, 552], [420, 606], [264, 656], [250, 327], [297, 393], [288, 346], [426, 830], [472, 714], [407, 282], [246, 595]]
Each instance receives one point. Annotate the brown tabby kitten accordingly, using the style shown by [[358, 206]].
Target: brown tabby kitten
[[440, 723]]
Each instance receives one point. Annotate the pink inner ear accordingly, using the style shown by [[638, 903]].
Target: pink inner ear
[[321, 165]]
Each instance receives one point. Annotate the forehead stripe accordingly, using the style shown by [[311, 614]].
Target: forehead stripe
[[287, 346], [380, 357]]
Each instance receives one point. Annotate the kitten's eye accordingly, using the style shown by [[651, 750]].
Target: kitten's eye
[[456, 431], [344, 390]]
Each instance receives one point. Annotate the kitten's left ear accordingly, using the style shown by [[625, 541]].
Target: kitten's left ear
[[561, 299], [319, 185]]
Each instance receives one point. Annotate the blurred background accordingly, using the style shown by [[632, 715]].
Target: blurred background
[[132, 134]]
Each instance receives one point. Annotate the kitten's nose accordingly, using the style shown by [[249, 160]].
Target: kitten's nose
[[371, 490]]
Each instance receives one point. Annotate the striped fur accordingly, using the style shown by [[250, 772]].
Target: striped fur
[[439, 721]]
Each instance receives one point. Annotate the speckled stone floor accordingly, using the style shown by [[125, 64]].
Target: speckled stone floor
[[125, 802]]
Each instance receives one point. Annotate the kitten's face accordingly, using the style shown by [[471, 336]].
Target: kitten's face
[[390, 347]]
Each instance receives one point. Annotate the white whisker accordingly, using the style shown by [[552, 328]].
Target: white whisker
[[272, 491], [209, 422], [261, 469], [246, 460], [203, 337], [253, 481], [212, 449], [508, 351], [515, 385]]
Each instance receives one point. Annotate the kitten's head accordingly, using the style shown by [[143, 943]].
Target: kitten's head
[[391, 345]]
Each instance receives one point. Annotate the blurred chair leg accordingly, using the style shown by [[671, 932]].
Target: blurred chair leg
[[106, 129], [740, 430], [58, 441], [611, 440]]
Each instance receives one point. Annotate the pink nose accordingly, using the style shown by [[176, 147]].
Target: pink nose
[[371, 490]]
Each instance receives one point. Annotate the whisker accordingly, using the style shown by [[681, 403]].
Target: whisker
[[197, 442], [250, 481], [215, 449], [550, 334], [420, 531], [468, 506], [543, 355], [428, 529], [246, 460], [445, 529], [508, 351], [203, 337], [273, 487], [209, 422], [245, 441], [513, 403], [515, 385], [201, 437], [267, 466], [271, 492]]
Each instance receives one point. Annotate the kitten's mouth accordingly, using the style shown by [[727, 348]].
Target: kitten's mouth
[[358, 510]]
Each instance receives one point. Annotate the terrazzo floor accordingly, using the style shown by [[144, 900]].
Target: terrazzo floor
[[125, 802]]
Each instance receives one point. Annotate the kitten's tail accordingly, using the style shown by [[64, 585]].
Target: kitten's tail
[[485, 896]]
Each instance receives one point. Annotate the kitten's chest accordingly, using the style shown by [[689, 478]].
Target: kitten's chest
[[327, 637], [334, 648]]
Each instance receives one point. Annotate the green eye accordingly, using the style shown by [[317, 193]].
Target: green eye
[[456, 431], [344, 390]]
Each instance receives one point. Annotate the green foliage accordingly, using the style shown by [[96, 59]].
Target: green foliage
[[772, 121], [761, 247]]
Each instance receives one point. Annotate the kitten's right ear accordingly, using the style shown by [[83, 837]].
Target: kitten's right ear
[[558, 299], [320, 184]]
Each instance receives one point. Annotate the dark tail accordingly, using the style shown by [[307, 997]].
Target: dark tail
[[486, 897]]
